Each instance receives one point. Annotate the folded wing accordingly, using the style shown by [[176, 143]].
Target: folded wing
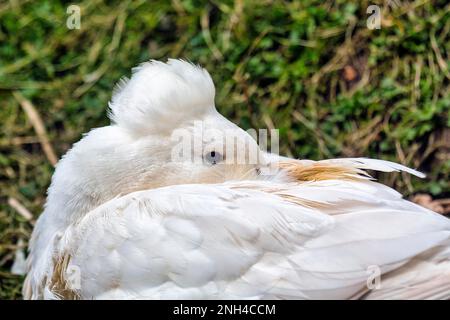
[[244, 240]]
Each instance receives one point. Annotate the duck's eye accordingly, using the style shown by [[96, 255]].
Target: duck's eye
[[213, 157]]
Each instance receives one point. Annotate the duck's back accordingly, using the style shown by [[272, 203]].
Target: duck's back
[[253, 239]]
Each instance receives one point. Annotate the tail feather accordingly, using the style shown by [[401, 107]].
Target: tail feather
[[378, 165]]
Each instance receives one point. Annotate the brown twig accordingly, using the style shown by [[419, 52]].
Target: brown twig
[[204, 22], [441, 206], [21, 209], [38, 126]]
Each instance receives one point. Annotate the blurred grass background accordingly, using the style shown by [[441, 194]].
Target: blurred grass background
[[313, 69]]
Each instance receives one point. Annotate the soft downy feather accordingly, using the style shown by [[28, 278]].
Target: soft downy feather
[[159, 96]]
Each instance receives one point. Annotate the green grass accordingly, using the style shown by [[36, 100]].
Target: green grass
[[275, 63]]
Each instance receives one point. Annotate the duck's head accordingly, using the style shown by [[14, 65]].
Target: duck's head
[[165, 130]]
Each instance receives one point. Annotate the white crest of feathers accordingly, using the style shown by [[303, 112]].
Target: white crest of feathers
[[159, 96]]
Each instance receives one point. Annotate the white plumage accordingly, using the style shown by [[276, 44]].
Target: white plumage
[[127, 222]]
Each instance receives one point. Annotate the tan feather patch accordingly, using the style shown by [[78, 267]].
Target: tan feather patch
[[301, 202], [321, 171], [58, 283]]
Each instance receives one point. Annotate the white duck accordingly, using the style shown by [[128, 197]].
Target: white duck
[[124, 221]]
